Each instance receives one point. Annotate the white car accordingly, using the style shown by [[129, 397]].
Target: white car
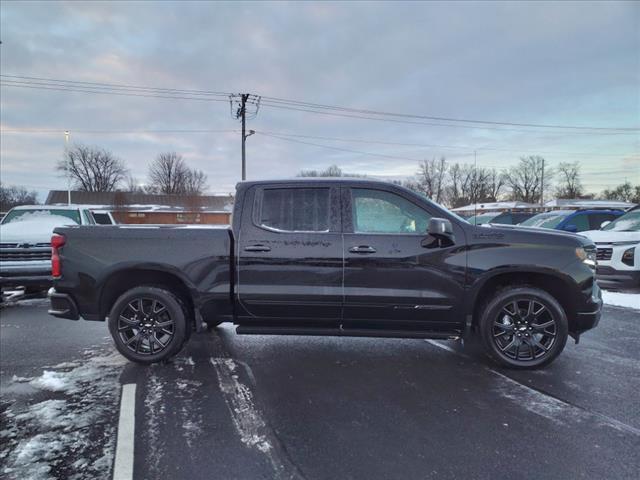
[[25, 242], [618, 251]]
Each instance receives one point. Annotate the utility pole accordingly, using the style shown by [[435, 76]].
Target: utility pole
[[242, 114], [542, 186], [66, 149]]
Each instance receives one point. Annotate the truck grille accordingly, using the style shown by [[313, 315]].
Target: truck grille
[[24, 252], [604, 253]]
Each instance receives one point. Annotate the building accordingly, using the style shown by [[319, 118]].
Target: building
[[143, 208]]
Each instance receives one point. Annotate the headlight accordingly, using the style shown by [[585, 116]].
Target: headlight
[[587, 255], [628, 256]]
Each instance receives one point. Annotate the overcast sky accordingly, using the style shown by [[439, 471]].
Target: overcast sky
[[564, 63]]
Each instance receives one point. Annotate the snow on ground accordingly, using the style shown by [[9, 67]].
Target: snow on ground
[[71, 434], [629, 300]]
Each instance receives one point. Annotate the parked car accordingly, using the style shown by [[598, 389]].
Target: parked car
[[25, 242], [345, 257], [572, 220], [502, 218], [618, 251]]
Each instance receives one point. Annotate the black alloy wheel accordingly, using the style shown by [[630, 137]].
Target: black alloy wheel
[[148, 324], [523, 327], [145, 326]]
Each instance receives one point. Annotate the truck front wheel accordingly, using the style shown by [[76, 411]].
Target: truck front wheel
[[148, 324], [523, 327]]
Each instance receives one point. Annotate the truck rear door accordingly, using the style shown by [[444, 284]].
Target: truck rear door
[[289, 256]]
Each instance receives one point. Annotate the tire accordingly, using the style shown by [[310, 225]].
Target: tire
[[148, 324], [523, 328]]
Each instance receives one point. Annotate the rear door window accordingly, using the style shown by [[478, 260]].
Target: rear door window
[[295, 209]]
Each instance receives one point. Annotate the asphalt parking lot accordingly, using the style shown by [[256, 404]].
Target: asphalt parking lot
[[245, 407]]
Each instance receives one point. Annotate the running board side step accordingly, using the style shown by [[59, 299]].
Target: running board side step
[[347, 332]]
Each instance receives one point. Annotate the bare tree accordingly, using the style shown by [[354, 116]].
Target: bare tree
[[431, 178], [525, 179], [332, 171], [170, 174], [195, 182], [133, 185], [92, 169], [495, 185], [569, 185], [467, 184], [12, 196], [625, 192]]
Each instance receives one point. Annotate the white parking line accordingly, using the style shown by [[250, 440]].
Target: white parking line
[[123, 464]]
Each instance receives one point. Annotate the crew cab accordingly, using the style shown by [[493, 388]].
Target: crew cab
[[343, 257]]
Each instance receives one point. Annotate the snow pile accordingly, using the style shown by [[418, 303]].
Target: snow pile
[[629, 300], [72, 433], [50, 380]]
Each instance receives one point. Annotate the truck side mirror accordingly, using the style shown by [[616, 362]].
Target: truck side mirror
[[571, 228], [440, 230], [605, 223]]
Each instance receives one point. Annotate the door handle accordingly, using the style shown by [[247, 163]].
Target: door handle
[[257, 248], [362, 249]]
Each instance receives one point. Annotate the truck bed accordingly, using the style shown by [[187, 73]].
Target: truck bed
[[112, 255]]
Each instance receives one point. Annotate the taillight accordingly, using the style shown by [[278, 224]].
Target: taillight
[[57, 241]]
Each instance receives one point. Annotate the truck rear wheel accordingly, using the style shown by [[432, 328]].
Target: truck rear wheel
[[148, 324], [523, 328]]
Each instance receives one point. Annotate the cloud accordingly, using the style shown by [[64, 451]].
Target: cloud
[[559, 63]]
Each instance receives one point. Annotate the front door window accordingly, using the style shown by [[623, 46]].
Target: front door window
[[377, 211]]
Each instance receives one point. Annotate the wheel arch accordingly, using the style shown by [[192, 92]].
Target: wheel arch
[[119, 280], [553, 283]]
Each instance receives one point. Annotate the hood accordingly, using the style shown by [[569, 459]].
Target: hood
[[533, 234], [32, 231], [611, 236]]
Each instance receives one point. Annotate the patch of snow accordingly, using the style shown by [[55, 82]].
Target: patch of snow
[[72, 434], [17, 379], [54, 381], [154, 411], [618, 299], [239, 398]]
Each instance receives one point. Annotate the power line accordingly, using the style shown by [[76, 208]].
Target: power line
[[110, 132], [115, 85], [432, 145], [329, 147], [431, 124], [447, 119], [5, 83], [276, 102]]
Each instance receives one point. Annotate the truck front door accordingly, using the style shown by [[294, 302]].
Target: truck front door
[[394, 277], [290, 255]]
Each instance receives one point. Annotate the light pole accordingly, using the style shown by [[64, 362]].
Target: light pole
[[66, 149]]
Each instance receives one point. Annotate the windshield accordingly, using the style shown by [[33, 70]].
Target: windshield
[[545, 220], [482, 218], [629, 222], [39, 213]]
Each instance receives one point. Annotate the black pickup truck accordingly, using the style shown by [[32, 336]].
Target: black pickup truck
[[345, 257]]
